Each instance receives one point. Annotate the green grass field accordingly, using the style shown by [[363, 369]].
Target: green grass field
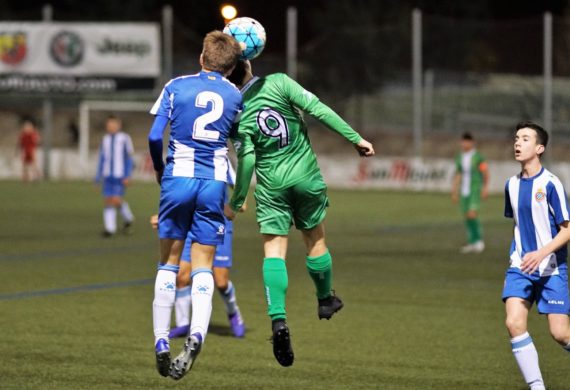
[[75, 309]]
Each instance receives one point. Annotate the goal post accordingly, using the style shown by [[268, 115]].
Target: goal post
[[85, 109]]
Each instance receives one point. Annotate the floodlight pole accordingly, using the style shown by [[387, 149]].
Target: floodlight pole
[[547, 69], [417, 79], [47, 107], [292, 42], [166, 43]]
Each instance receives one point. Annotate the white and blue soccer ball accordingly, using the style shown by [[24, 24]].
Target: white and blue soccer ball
[[250, 35]]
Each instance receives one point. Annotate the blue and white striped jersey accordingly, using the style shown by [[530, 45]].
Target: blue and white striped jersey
[[115, 156], [538, 206], [202, 109]]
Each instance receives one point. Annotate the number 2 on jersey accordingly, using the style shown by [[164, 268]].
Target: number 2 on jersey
[[202, 100], [272, 124]]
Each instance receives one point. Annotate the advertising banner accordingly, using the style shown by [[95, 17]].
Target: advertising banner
[[80, 49], [78, 57]]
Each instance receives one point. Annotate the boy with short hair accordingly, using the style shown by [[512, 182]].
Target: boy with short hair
[[272, 140], [538, 271], [201, 109]]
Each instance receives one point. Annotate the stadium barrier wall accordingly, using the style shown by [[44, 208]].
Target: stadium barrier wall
[[339, 171]]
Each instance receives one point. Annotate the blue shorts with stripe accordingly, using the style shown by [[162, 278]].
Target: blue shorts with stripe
[[192, 207], [223, 256], [549, 292], [113, 186]]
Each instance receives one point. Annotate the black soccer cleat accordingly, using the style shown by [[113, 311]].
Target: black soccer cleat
[[329, 305], [127, 228], [281, 340]]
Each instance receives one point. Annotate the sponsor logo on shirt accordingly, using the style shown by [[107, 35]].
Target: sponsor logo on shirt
[[540, 195]]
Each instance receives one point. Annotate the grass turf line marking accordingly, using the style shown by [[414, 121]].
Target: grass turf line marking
[[67, 290], [72, 253]]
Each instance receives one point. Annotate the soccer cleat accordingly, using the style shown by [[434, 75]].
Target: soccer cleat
[[328, 306], [478, 247], [106, 234], [184, 361], [127, 228], [466, 249], [281, 340], [237, 324], [179, 331], [162, 350]]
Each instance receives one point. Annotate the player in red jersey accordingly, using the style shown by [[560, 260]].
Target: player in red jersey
[[28, 143]]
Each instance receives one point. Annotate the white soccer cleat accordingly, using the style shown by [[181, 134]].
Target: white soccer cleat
[[478, 247], [467, 249]]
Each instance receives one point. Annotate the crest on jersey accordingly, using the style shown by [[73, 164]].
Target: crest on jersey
[[540, 195], [13, 47]]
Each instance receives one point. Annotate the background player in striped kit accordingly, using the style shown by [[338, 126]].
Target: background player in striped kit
[[114, 172], [201, 109], [538, 271], [470, 184]]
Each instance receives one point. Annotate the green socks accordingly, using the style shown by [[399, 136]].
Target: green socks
[[473, 230], [320, 270], [275, 281]]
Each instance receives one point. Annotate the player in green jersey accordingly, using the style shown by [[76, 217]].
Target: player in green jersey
[[272, 140], [470, 184]]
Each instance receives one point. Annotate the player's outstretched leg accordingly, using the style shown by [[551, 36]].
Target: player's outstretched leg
[[232, 309], [128, 217], [164, 290], [320, 270], [281, 340], [182, 310], [276, 282], [202, 289]]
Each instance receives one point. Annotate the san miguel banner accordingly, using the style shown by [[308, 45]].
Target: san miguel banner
[[77, 57]]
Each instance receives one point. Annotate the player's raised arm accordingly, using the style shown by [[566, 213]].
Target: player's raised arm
[[311, 104], [245, 168], [155, 144]]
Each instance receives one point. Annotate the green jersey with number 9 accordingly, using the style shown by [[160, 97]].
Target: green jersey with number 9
[[272, 128]]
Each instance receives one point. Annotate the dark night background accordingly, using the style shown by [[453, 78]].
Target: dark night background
[[362, 42]]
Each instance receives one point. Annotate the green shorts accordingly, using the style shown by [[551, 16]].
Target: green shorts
[[470, 203], [304, 204]]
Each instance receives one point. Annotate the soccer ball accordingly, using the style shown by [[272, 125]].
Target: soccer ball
[[250, 34]]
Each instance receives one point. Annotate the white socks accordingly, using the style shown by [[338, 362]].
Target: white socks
[[164, 295], [229, 298], [110, 216], [110, 219], [182, 306], [126, 212], [527, 359], [202, 289]]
